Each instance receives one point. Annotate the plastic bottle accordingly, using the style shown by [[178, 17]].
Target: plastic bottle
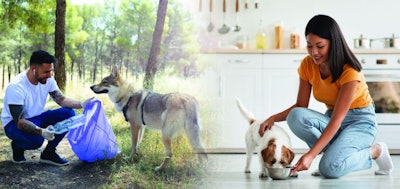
[[70, 123], [261, 38]]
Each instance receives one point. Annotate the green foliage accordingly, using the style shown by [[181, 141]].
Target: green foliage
[[115, 32], [37, 15]]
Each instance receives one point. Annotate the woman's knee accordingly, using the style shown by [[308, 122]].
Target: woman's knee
[[330, 169], [328, 173]]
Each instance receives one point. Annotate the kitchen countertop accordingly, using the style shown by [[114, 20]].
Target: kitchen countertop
[[292, 51]]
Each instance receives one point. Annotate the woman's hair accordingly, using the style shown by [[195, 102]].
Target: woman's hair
[[339, 52]]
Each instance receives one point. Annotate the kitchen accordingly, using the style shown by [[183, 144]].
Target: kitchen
[[266, 80], [371, 22]]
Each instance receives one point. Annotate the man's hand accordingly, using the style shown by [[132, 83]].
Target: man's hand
[[48, 133], [85, 102]]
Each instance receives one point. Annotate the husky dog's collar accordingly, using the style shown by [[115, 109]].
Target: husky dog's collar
[[118, 101], [141, 109], [125, 108]]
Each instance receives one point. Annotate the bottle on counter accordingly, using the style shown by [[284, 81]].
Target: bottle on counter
[[279, 36], [261, 38]]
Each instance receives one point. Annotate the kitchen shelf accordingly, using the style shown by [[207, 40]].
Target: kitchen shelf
[[293, 51]]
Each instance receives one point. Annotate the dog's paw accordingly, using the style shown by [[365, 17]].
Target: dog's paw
[[163, 164], [263, 175], [159, 168], [136, 157]]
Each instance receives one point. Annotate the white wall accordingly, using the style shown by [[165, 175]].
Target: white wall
[[374, 19]]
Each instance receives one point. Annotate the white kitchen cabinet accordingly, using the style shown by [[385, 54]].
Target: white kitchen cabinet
[[280, 81], [240, 75]]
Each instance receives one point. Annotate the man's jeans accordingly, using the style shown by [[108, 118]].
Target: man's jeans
[[28, 141]]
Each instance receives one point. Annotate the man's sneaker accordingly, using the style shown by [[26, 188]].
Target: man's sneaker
[[52, 158], [17, 154]]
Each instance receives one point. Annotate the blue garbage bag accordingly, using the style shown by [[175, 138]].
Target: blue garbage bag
[[95, 140]]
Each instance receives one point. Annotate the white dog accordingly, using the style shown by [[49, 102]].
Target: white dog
[[274, 147]]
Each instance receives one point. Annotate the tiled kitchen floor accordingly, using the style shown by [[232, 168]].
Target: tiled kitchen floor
[[227, 171]]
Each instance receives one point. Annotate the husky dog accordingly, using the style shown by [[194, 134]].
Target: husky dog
[[166, 112]]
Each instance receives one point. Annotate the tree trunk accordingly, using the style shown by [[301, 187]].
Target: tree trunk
[[3, 76], [152, 63], [59, 44], [9, 73], [72, 70]]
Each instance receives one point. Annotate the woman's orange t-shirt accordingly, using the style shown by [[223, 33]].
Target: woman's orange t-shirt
[[327, 92]]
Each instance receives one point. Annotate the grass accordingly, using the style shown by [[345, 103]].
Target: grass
[[184, 171]]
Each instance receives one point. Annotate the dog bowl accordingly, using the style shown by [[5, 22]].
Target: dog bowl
[[279, 173]]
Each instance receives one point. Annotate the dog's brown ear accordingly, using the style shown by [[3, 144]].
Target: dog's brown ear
[[268, 153], [115, 71], [288, 154]]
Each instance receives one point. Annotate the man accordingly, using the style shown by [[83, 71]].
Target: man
[[23, 117]]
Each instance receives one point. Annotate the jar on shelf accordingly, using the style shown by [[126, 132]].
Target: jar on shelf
[[294, 40], [279, 36], [242, 42]]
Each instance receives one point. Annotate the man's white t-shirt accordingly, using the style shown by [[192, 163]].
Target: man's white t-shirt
[[22, 92]]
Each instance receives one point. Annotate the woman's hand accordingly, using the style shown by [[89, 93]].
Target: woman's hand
[[267, 124], [304, 163]]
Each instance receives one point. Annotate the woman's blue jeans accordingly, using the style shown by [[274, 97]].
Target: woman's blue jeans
[[348, 151], [28, 141]]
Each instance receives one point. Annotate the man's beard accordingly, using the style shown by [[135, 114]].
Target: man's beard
[[41, 80]]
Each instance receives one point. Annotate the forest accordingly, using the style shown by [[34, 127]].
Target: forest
[[97, 36], [94, 38]]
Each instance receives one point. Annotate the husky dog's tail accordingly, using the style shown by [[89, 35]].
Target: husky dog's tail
[[192, 126], [247, 114]]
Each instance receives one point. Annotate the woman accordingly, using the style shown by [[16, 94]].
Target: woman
[[347, 130]]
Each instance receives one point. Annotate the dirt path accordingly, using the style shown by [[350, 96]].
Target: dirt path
[[36, 175]]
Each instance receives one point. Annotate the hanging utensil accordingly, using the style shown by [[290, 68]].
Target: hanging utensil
[[200, 5], [237, 27], [246, 4], [224, 29], [256, 4], [210, 27]]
